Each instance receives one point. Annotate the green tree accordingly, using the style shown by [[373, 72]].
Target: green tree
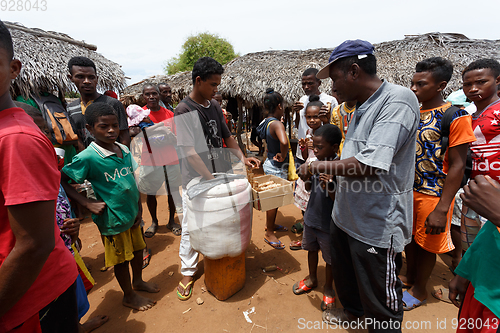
[[201, 45]]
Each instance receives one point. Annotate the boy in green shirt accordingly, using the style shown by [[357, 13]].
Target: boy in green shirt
[[109, 167]]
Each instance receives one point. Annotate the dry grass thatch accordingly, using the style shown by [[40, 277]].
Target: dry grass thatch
[[180, 83], [397, 59], [248, 76], [45, 57]]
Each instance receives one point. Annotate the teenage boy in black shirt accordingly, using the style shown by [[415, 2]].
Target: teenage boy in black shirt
[[196, 108]]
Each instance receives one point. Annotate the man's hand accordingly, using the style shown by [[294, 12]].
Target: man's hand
[[297, 106], [458, 287], [251, 162], [482, 195], [96, 207], [436, 222], [324, 114]]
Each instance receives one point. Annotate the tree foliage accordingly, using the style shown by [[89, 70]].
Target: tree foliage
[[201, 45]]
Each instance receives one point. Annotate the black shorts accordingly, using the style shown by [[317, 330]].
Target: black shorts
[[61, 315]]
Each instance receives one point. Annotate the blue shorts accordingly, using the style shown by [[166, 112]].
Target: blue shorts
[[314, 240], [270, 169]]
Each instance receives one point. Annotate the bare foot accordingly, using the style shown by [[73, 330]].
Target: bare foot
[[185, 281], [94, 323], [420, 295], [331, 294], [270, 236], [309, 283], [146, 286], [137, 302], [405, 282]]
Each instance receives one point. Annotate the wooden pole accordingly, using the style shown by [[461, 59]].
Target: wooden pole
[[240, 126], [45, 34]]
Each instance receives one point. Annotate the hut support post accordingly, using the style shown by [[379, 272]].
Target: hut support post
[[240, 126]]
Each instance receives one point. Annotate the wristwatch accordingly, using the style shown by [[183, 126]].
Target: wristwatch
[[309, 167]]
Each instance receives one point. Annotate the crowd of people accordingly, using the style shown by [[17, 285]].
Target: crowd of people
[[353, 171]]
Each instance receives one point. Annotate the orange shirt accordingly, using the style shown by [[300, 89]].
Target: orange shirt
[[431, 167]]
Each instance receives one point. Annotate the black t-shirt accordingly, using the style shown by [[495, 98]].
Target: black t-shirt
[[190, 134], [320, 205], [78, 119]]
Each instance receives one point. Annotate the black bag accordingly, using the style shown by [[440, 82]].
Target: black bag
[[57, 119], [445, 133]]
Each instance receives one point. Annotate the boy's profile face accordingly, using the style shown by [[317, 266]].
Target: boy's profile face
[[105, 130], [84, 78], [152, 97], [310, 84], [480, 84], [208, 88], [425, 86], [9, 70], [322, 149]]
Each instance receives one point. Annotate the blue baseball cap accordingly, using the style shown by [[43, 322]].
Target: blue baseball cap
[[348, 48]]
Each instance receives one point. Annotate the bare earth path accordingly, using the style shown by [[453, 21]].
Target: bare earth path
[[277, 309]]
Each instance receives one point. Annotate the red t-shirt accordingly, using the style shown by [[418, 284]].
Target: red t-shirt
[[29, 173], [164, 155], [486, 149]]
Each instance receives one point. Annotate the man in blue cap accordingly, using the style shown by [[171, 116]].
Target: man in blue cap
[[372, 216]]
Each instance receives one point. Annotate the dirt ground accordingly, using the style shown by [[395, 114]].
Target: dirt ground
[[276, 308]]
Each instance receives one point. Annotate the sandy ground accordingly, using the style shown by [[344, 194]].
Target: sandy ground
[[276, 308]]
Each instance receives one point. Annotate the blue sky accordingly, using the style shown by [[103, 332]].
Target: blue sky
[[142, 35]]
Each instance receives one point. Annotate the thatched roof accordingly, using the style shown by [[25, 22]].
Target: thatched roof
[[181, 84], [396, 60], [45, 57], [248, 76]]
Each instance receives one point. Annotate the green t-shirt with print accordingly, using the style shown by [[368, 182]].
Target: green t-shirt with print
[[114, 183], [481, 266]]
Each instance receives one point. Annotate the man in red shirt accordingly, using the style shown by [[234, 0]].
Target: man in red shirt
[[159, 164], [37, 272]]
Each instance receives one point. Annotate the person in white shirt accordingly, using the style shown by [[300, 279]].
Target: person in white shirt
[[310, 85]]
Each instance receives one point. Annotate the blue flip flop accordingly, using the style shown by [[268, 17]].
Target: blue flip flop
[[410, 302], [277, 245]]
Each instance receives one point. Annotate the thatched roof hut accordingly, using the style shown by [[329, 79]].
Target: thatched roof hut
[[397, 59], [248, 76], [181, 84], [45, 56]]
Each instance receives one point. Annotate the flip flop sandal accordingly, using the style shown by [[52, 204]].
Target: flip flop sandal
[[151, 231], [176, 229], [278, 227], [181, 296], [335, 316], [146, 259], [302, 288], [442, 294], [297, 228], [296, 245], [410, 302], [327, 301], [277, 245]]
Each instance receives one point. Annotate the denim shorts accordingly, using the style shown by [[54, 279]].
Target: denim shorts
[[270, 169]]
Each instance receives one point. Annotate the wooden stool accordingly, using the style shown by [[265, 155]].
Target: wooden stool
[[225, 277]]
